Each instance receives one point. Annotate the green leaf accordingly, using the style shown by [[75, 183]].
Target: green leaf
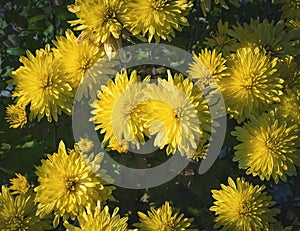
[[28, 144], [36, 18], [17, 51]]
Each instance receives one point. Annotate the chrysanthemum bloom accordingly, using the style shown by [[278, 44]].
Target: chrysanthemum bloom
[[19, 185], [241, 206], [288, 70], [163, 219], [207, 65], [206, 5], [252, 84], [85, 145], [117, 109], [171, 114], [290, 8], [157, 18], [41, 83], [100, 20], [220, 40], [265, 35], [99, 220], [16, 116], [70, 182], [269, 147], [78, 58], [289, 106], [19, 213]]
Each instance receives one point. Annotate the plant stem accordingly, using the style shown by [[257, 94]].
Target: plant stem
[[56, 138], [53, 19]]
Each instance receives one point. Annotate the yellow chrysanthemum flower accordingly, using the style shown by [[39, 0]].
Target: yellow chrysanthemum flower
[[41, 83], [171, 114], [70, 182], [157, 18], [163, 219], [290, 8], [78, 58], [269, 147], [19, 185], [206, 66], [265, 35], [221, 41], [206, 5], [241, 206], [100, 20], [117, 109], [289, 107], [289, 71], [19, 213], [99, 220], [251, 85], [16, 116], [85, 145]]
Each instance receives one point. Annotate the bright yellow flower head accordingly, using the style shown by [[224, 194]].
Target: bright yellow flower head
[[207, 65], [19, 185], [265, 35], [288, 70], [157, 18], [19, 213], [100, 20], [163, 219], [77, 58], [268, 148], [117, 109], [16, 116], [241, 206], [70, 182], [172, 115], [252, 83], [41, 83], [99, 220]]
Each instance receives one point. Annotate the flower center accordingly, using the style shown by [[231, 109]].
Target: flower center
[[127, 109], [168, 226], [245, 208], [14, 223], [178, 113], [84, 65], [272, 144], [71, 184], [46, 82], [109, 14], [247, 81]]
